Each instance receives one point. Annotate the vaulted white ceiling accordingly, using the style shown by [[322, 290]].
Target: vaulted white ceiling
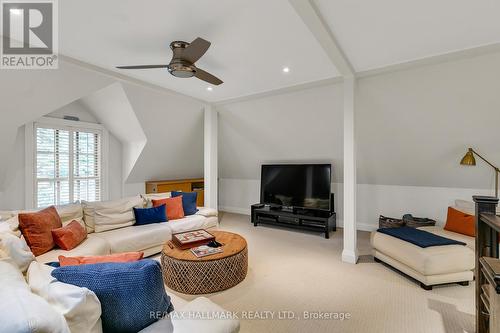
[[252, 40], [380, 33]]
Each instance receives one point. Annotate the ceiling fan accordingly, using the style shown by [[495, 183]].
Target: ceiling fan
[[183, 59]]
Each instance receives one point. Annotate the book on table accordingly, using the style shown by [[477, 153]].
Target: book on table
[[205, 250], [190, 239]]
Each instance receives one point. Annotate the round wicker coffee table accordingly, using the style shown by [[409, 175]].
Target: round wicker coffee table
[[187, 274]]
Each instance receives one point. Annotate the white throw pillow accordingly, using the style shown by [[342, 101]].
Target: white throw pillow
[[23, 311], [468, 207], [185, 320], [15, 250], [79, 306], [148, 198], [13, 224], [6, 214], [109, 215], [207, 212]]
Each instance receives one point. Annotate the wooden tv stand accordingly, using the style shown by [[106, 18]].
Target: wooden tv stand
[[314, 220]]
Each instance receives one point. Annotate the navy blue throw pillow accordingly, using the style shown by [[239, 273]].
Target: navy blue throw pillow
[[132, 294], [188, 201], [150, 215]]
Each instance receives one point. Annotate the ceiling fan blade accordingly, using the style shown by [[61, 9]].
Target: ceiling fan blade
[[195, 50], [142, 66], [205, 76]]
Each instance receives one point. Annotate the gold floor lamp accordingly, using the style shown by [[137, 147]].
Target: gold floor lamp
[[469, 159]]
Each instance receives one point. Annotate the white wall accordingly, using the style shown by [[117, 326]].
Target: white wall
[[413, 127], [236, 195]]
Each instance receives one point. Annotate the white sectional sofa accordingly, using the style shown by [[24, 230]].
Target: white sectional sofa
[[114, 233], [111, 229]]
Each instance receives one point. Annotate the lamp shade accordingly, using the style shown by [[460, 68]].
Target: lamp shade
[[469, 158]]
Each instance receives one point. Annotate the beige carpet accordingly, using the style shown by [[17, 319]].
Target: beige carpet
[[299, 271]]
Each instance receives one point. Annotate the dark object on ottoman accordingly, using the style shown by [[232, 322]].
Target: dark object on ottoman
[[416, 222], [389, 222], [129, 292]]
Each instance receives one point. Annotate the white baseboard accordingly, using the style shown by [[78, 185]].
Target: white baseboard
[[236, 210]]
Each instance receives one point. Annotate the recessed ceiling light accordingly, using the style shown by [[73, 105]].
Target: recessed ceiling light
[[210, 88], [286, 69], [16, 11]]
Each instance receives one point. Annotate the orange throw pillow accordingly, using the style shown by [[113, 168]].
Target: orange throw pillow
[[460, 222], [36, 229], [173, 207], [119, 257], [69, 236]]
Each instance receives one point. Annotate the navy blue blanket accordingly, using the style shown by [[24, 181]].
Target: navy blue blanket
[[418, 237]]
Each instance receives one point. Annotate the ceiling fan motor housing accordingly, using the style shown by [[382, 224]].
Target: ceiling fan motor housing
[[179, 67]]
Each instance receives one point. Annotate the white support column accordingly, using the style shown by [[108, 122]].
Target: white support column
[[350, 252], [211, 157]]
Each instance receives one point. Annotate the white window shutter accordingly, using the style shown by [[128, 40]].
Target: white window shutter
[[67, 165]]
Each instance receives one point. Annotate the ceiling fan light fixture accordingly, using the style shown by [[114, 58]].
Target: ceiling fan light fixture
[[181, 70]]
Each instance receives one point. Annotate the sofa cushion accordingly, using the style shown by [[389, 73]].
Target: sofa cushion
[[108, 215], [92, 245], [188, 201], [23, 311], [219, 320], [468, 207], [136, 238], [206, 211], [71, 212], [192, 222], [15, 250], [150, 215], [36, 228], [173, 207], [79, 306], [148, 198], [427, 261], [69, 236], [129, 292], [86, 260], [6, 214]]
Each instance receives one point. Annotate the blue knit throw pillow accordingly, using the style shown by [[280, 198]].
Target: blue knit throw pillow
[[188, 201], [132, 294]]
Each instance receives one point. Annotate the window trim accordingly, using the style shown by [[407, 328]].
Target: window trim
[[30, 158]]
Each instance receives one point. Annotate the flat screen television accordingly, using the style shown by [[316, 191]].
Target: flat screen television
[[296, 185]]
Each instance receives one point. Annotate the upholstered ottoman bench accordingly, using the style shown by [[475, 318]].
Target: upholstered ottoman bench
[[430, 266]]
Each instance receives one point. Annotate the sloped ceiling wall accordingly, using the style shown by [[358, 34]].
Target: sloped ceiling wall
[[173, 125], [26, 95], [301, 126], [173, 122], [112, 108], [412, 127]]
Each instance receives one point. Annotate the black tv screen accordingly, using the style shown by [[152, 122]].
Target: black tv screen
[[296, 185]]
